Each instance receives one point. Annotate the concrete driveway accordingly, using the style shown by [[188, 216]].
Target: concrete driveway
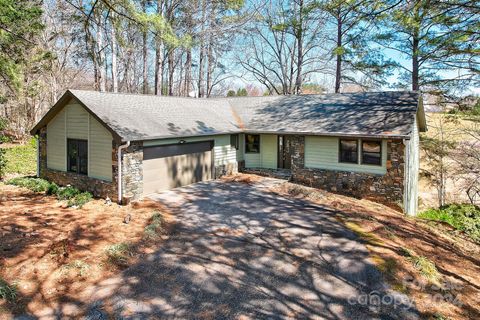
[[240, 252]]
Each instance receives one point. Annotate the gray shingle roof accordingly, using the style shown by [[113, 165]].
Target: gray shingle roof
[[144, 117]]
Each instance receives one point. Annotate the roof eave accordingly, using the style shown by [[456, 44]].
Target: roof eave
[[309, 133]]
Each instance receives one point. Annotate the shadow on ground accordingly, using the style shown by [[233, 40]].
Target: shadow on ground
[[239, 251]]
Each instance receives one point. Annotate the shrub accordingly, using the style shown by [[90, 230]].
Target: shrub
[[465, 217], [67, 193], [74, 196], [3, 163], [33, 184], [80, 199], [52, 189], [7, 292]]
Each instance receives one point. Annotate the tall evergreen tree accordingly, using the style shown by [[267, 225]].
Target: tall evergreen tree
[[20, 24], [440, 40]]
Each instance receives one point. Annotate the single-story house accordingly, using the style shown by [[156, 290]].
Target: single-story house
[[126, 146]]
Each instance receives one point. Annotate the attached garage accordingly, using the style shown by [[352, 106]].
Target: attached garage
[[175, 165]]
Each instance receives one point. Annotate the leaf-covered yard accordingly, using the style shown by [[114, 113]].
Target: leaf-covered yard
[[435, 264], [49, 252]]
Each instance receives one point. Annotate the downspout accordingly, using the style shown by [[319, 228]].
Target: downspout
[[119, 159]]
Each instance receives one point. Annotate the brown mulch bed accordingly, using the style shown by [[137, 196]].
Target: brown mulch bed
[[51, 253], [387, 233]]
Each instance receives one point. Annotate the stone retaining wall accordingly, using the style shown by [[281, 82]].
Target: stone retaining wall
[[387, 189]]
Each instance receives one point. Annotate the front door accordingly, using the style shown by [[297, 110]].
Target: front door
[[284, 152]]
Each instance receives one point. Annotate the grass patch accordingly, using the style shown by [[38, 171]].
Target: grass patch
[[80, 266], [7, 292], [464, 217], [155, 227], [118, 254], [368, 237], [425, 266], [21, 159]]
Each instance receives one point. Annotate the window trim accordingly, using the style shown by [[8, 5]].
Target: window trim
[[340, 151], [380, 152], [69, 140], [246, 144]]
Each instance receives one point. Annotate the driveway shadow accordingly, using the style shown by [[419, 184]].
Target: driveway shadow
[[241, 252]]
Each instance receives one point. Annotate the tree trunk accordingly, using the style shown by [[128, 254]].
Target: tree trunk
[[210, 63], [101, 60], [145, 54], [188, 72], [201, 89], [338, 71], [415, 64], [159, 55], [114, 56], [298, 81], [171, 66]]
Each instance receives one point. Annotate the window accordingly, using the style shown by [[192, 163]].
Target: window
[[372, 152], [77, 156], [234, 140], [348, 151], [252, 143]]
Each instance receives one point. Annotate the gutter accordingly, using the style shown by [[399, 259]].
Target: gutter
[[119, 170]]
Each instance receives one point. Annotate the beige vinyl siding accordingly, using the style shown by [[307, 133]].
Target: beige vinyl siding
[[75, 122], [322, 153], [223, 152], [56, 144], [99, 151], [267, 158], [411, 171], [268, 147]]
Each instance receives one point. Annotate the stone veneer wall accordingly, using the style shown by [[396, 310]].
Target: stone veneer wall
[[387, 189], [132, 171], [99, 188]]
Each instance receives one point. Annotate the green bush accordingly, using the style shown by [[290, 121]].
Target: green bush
[[465, 217], [80, 199], [7, 292], [74, 196], [3, 163], [52, 189], [33, 184], [67, 193]]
